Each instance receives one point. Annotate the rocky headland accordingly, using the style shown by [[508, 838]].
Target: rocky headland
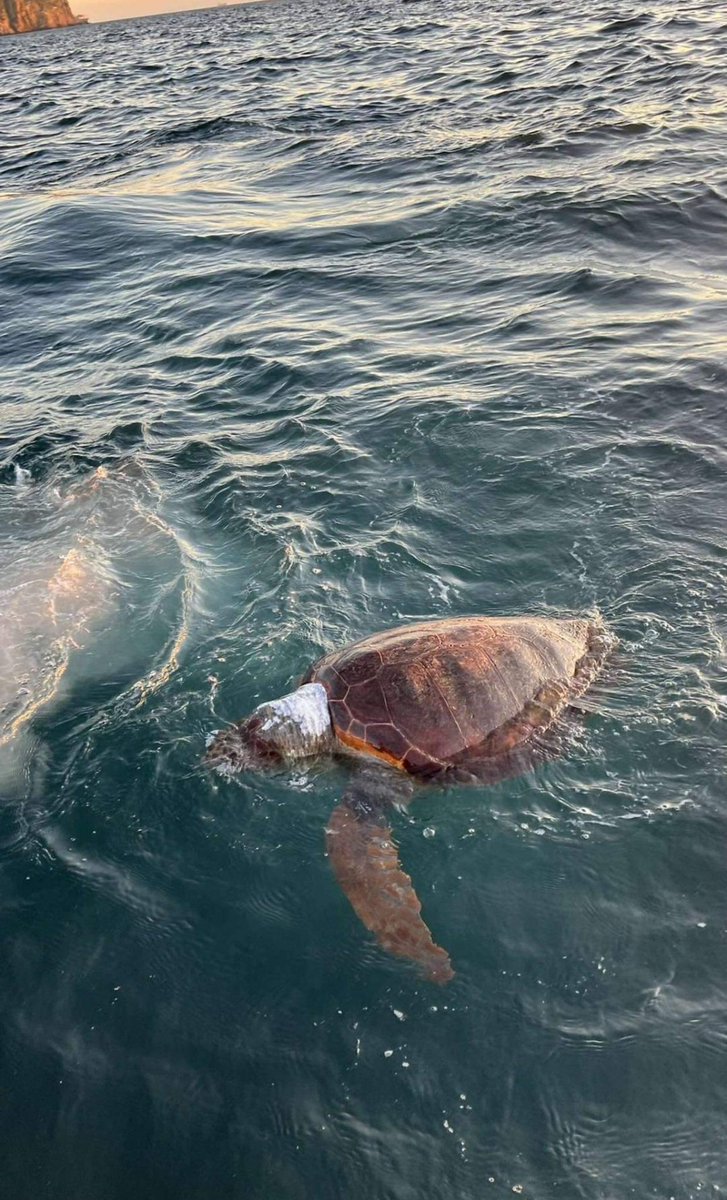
[[25, 16]]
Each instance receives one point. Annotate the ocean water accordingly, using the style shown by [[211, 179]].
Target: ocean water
[[318, 318]]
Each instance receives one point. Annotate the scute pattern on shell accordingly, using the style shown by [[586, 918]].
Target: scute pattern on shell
[[441, 695]]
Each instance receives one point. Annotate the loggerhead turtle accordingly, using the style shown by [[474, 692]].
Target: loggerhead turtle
[[467, 700]]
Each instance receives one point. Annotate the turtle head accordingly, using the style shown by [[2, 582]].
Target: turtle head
[[279, 731], [240, 747]]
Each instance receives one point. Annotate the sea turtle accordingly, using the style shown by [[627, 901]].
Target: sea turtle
[[445, 701]]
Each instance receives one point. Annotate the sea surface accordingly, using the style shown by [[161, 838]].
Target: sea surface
[[318, 318]]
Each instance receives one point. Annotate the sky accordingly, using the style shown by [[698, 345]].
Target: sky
[[111, 10]]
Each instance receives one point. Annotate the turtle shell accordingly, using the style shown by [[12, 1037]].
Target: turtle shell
[[447, 694]]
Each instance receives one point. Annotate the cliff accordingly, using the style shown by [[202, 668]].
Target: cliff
[[23, 16]]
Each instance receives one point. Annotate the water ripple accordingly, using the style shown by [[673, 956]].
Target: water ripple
[[367, 315]]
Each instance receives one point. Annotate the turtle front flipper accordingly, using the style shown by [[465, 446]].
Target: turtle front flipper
[[366, 864]]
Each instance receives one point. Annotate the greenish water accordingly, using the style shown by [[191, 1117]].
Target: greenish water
[[371, 313]]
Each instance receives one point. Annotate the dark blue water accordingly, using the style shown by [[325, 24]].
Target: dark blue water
[[368, 312]]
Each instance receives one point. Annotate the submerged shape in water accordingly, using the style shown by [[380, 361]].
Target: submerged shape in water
[[66, 589], [47, 615]]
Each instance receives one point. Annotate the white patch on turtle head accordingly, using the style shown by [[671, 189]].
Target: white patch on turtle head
[[299, 723]]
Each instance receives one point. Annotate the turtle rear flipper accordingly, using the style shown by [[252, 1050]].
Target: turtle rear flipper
[[366, 864]]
